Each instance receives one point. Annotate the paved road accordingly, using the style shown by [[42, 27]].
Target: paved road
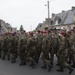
[[7, 68]]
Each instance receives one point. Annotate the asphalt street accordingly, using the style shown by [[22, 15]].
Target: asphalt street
[[7, 68]]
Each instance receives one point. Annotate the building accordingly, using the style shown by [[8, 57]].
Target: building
[[41, 26], [62, 20], [5, 27]]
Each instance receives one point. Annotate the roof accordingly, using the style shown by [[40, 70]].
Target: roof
[[67, 17]]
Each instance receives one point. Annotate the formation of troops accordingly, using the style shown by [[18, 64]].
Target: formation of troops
[[30, 48]]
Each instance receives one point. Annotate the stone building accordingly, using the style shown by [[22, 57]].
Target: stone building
[[62, 20]]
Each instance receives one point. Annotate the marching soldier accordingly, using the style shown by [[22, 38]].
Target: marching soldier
[[4, 47], [31, 50], [0, 46], [63, 53], [13, 48], [45, 53], [72, 48], [22, 49]]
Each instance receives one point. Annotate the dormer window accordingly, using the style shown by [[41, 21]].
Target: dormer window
[[56, 22], [51, 22], [59, 21]]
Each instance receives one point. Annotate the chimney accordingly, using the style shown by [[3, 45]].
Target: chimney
[[73, 7], [63, 10], [53, 14]]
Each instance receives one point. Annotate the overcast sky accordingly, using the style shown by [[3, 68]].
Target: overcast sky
[[30, 12]]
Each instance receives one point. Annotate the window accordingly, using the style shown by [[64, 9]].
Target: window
[[59, 21]]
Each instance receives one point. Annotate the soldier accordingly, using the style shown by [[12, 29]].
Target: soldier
[[8, 47], [72, 48], [45, 54], [13, 48], [0, 45], [8, 52], [4, 47], [63, 53], [54, 46], [38, 39], [31, 50], [22, 47]]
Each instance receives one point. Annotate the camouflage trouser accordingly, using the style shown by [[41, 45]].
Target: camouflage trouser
[[37, 56], [0, 53], [71, 57], [63, 62], [74, 57], [23, 57], [4, 53], [13, 56], [45, 58]]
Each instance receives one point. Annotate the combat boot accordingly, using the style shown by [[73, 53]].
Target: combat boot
[[49, 67], [32, 64], [12, 61], [70, 70], [73, 66], [36, 61], [44, 66], [8, 57], [0, 55], [21, 63], [24, 63], [60, 70], [3, 58]]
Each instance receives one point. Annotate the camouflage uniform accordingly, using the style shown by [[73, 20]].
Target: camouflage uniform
[[62, 55], [0, 46], [54, 46], [22, 46], [72, 49], [9, 46], [31, 50], [45, 52], [4, 47], [13, 49], [38, 47]]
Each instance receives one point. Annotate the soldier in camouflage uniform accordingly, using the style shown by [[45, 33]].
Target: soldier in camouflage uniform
[[63, 53], [0, 45], [54, 46], [45, 53], [13, 48], [22, 49], [31, 50], [4, 47], [72, 48], [38, 39], [9, 46]]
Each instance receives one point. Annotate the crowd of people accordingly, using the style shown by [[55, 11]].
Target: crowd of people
[[30, 48]]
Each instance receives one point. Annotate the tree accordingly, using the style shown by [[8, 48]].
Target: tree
[[21, 28]]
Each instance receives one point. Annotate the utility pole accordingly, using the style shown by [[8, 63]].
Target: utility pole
[[48, 16], [48, 8]]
